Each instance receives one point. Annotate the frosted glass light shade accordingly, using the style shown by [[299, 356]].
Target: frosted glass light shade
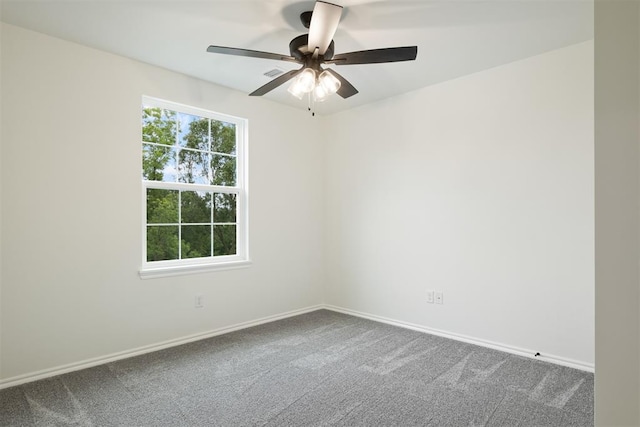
[[322, 85], [329, 82], [304, 83], [307, 80], [320, 93], [295, 89]]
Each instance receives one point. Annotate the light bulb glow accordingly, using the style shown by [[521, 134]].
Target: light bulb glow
[[295, 89], [303, 83], [329, 82], [320, 93], [307, 80]]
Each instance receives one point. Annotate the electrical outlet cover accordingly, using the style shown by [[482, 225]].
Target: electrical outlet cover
[[199, 301], [439, 298], [430, 297]]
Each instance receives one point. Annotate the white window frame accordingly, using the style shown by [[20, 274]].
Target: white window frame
[[221, 262]]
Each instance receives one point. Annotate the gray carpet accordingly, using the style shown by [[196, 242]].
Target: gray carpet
[[318, 369]]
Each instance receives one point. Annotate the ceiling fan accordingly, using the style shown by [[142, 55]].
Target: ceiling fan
[[316, 49]]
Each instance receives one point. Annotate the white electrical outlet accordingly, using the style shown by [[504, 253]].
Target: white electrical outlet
[[439, 298], [198, 301], [430, 297]]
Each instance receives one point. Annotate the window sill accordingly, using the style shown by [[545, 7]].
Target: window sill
[[180, 270]]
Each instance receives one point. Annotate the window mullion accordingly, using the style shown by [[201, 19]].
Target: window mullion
[[179, 224], [211, 194], [187, 186], [213, 207]]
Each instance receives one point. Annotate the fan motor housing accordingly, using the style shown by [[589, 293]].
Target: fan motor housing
[[302, 41]]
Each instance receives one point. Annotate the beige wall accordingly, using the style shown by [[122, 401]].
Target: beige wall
[[72, 206], [482, 188], [617, 215]]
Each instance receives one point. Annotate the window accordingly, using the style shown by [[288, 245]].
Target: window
[[194, 189]]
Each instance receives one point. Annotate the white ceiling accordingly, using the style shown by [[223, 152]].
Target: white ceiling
[[454, 38]]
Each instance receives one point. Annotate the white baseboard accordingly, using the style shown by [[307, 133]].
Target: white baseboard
[[88, 363], [576, 364]]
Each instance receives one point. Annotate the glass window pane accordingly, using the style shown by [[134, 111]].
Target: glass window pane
[[196, 241], [158, 163], [177, 147], [224, 206], [193, 167], [223, 137], [224, 240], [162, 242], [162, 206], [223, 170], [158, 126], [195, 207], [194, 132]]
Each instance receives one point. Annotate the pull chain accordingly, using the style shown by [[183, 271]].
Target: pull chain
[[311, 105]]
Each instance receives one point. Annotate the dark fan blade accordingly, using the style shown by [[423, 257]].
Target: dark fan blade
[[275, 83], [346, 89], [250, 53], [375, 56]]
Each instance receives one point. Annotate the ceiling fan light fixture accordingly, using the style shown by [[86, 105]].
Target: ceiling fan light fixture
[[329, 82], [304, 83], [307, 80], [315, 49], [295, 89], [320, 93]]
